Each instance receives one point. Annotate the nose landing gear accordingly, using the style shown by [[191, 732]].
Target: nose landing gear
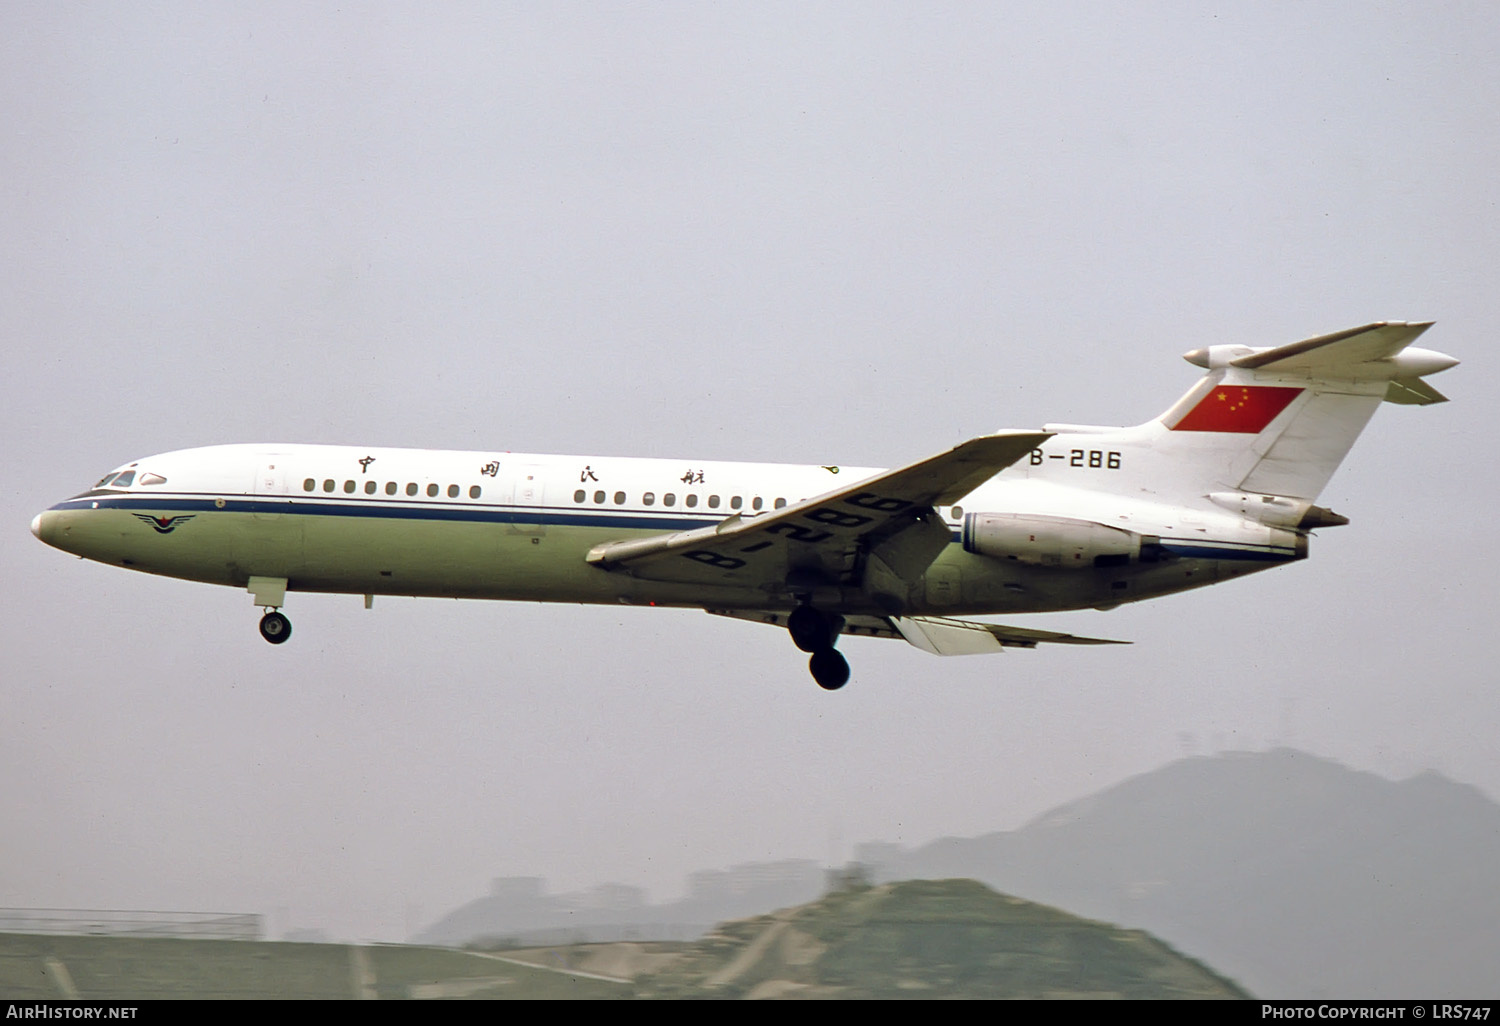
[[275, 627], [816, 632], [269, 593]]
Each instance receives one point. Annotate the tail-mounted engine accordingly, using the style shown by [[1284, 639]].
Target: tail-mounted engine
[[1278, 511], [1051, 541], [1065, 542]]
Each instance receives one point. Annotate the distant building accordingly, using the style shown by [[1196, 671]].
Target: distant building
[[609, 897]]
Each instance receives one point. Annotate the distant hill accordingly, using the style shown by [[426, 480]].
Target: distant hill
[[1296, 876], [922, 939], [1293, 874]]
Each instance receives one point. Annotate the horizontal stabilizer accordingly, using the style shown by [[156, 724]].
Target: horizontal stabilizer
[[1342, 349], [1377, 352]]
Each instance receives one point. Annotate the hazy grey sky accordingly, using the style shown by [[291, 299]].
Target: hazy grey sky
[[828, 233]]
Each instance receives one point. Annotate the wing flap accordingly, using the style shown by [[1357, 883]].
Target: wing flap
[[945, 636], [939, 635]]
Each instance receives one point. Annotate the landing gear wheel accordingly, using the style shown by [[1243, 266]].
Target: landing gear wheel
[[829, 669], [810, 629], [275, 628]]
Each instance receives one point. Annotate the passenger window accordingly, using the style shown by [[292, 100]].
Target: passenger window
[[328, 484], [369, 487], [309, 485], [432, 491], [411, 488], [958, 512], [649, 498], [453, 491], [390, 488], [780, 503], [473, 491], [736, 502], [619, 498], [756, 503], [580, 495], [691, 500], [670, 499], [599, 497], [348, 487], [713, 502]]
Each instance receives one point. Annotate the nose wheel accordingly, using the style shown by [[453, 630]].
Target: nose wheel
[[816, 632], [275, 627]]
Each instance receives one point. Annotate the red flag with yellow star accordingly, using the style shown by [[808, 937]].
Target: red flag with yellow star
[[1241, 409]]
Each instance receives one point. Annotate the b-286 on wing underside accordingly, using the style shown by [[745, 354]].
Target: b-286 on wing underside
[[1220, 485]]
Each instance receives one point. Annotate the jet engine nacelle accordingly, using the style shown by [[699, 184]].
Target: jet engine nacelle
[[1277, 511], [1049, 541]]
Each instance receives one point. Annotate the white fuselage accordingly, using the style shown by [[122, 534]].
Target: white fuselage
[[514, 526]]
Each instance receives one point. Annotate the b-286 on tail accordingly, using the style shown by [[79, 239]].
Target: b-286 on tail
[[1220, 485]]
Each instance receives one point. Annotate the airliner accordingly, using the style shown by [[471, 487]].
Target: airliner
[[1221, 485]]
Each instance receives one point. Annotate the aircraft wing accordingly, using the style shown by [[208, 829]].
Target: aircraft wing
[[939, 635], [887, 519]]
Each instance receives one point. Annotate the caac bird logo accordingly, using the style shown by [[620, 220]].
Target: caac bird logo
[[163, 525]]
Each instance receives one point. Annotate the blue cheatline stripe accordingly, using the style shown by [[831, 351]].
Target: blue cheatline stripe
[[1228, 551], [549, 516]]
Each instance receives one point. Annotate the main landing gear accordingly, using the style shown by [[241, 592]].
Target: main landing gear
[[269, 593], [816, 632], [275, 627]]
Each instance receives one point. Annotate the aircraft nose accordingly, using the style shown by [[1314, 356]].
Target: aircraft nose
[[55, 527], [42, 525]]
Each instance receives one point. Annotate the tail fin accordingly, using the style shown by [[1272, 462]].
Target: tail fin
[[1276, 422]]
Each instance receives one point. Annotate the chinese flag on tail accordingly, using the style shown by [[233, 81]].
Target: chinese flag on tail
[[1241, 409]]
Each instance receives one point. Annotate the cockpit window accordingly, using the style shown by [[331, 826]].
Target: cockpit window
[[124, 480], [152, 479], [106, 479]]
